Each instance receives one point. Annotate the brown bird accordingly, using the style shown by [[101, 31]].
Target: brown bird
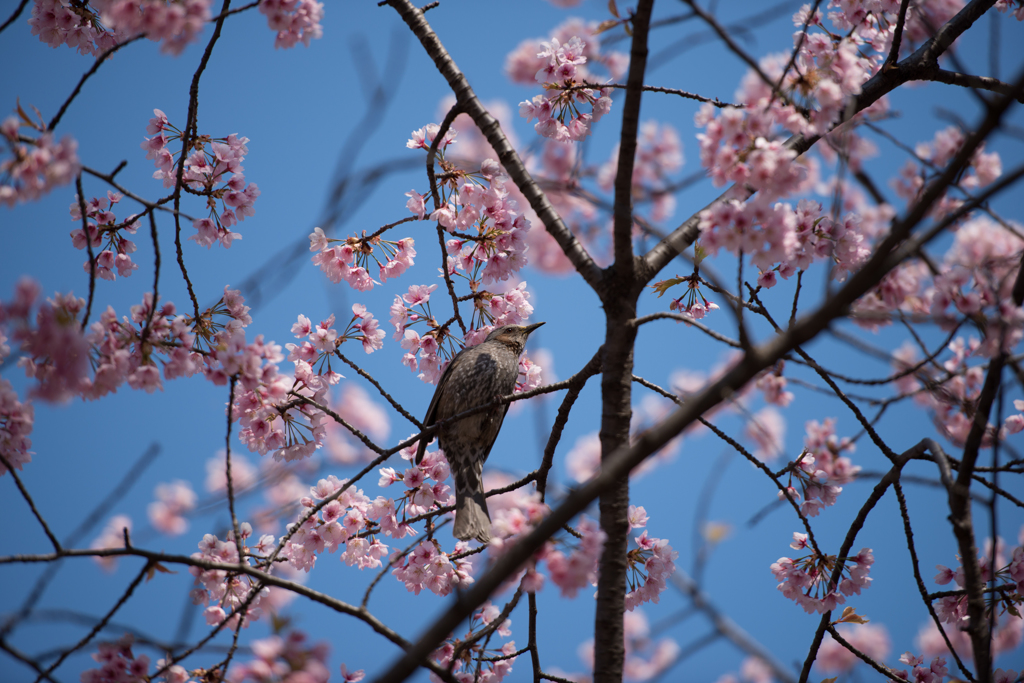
[[476, 376]]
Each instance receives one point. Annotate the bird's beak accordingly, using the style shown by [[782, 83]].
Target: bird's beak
[[531, 328]]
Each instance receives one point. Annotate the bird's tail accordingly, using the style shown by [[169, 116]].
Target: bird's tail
[[471, 517]]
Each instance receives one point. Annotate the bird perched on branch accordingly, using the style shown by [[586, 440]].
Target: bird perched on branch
[[475, 377]]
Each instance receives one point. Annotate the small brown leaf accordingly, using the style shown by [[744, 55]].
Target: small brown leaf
[[850, 616], [157, 567]]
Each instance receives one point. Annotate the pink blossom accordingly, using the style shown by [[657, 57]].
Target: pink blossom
[[34, 167], [174, 500], [112, 536], [871, 639], [416, 204], [295, 21]]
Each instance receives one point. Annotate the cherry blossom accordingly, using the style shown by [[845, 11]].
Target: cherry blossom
[[16, 420], [655, 557], [296, 21], [288, 658], [563, 76], [228, 597], [936, 672], [871, 639], [34, 166], [659, 153], [578, 569], [99, 27], [821, 470], [174, 500], [807, 580], [112, 536], [213, 169], [104, 236], [118, 664]]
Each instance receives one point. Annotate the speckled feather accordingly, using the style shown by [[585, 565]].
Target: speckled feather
[[475, 376]]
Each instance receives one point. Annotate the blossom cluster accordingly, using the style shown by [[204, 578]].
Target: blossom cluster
[[67, 361], [54, 350], [870, 639], [228, 597], [779, 239], [659, 152], [269, 405], [564, 78], [578, 569], [773, 384], [16, 422], [104, 231], [828, 69], [344, 522], [35, 165], [127, 350], [489, 228], [93, 30], [691, 303], [212, 169], [952, 393], [274, 409], [429, 352], [653, 556], [289, 658], [427, 566], [498, 248], [984, 168], [348, 260], [322, 340], [478, 662], [356, 407], [167, 512], [296, 21], [118, 664], [952, 609], [977, 278], [821, 470], [111, 537], [524, 63], [935, 672], [807, 580]]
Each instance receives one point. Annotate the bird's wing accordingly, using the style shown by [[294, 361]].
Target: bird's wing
[[497, 428], [431, 417]]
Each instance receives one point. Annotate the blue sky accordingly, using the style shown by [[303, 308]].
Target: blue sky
[[308, 114]]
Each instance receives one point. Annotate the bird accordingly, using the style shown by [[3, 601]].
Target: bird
[[474, 377]]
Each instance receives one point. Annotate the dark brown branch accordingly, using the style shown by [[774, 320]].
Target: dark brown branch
[[31, 503], [369, 378], [101, 623], [81, 82], [88, 249], [968, 81], [14, 15]]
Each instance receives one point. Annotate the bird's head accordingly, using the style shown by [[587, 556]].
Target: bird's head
[[513, 335]]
